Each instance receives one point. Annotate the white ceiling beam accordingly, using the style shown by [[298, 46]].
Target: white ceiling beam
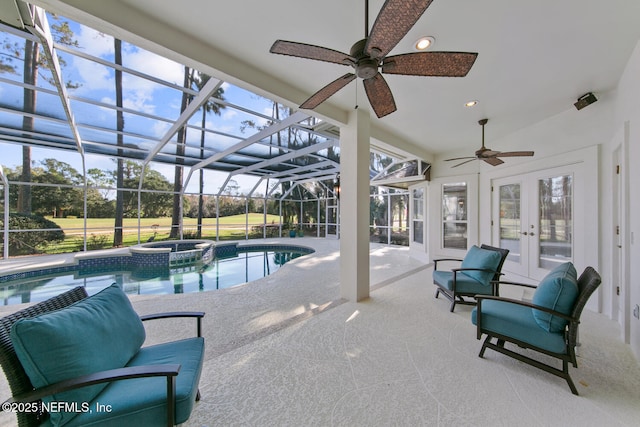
[[297, 153]]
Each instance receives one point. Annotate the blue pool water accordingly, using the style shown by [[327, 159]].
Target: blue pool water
[[218, 274]]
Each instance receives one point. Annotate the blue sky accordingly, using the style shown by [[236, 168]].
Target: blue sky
[[97, 82]]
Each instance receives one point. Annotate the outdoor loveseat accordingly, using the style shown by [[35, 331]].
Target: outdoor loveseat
[[83, 357]]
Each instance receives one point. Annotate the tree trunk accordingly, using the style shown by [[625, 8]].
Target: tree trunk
[[201, 188], [31, 58], [176, 214], [117, 232]]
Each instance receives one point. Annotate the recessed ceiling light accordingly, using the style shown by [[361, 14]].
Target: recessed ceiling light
[[472, 103], [424, 43]]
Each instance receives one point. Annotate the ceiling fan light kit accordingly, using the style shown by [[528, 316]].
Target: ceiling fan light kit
[[369, 56], [487, 155]]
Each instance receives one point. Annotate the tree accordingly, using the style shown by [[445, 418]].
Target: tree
[[118, 222], [176, 214], [30, 76], [200, 80], [155, 197], [33, 60], [62, 199], [101, 180]]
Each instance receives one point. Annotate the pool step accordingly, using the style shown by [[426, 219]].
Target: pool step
[[181, 258]]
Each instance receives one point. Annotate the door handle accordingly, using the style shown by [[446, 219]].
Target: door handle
[[532, 233]]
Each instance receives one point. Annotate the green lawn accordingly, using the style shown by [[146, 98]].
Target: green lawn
[[100, 230]]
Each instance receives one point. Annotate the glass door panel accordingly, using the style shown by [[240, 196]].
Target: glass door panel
[[555, 216], [533, 218], [510, 220]]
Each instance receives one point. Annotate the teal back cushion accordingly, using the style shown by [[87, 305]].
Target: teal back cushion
[[481, 258], [98, 333], [557, 291]]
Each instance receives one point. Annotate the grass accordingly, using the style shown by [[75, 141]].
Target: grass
[[100, 230]]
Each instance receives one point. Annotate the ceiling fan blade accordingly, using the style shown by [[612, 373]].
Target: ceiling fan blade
[[395, 19], [309, 51], [436, 64], [515, 154], [464, 163], [460, 158], [320, 96], [380, 96], [493, 161]]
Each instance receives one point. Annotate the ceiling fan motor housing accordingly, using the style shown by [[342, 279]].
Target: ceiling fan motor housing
[[366, 67]]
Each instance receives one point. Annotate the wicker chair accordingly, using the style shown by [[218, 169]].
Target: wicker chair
[[513, 321], [23, 390], [19, 382]]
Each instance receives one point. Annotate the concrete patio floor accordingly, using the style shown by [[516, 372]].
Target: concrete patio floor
[[287, 351]]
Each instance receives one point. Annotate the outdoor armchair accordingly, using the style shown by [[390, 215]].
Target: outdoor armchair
[[477, 274], [548, 324], [75, 360]]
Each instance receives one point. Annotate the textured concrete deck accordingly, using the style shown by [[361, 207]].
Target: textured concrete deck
[[287, 351]]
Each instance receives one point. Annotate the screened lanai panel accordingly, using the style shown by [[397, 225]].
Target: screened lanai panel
[[260, 151], [96, 116], [262, 108], [47, 103], [153, 92], [236, 122]]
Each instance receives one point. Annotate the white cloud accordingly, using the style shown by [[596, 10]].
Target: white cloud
[[159, 129], [229, 114], [152, 64], [93, 76], [95, 43]]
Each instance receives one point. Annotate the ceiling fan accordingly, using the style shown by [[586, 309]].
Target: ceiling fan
[[369, 56], [489, 156]]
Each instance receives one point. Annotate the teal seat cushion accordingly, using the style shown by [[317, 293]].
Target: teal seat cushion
[[517, 321], [98, 333], [481, 258], [464, 284], [557, 291], [142, 401]]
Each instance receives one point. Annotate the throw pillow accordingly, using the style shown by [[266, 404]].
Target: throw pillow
[[557, 291]]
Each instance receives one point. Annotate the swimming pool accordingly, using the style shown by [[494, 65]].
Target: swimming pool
[[242, 266]]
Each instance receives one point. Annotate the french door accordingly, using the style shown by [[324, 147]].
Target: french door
[[533, 217]]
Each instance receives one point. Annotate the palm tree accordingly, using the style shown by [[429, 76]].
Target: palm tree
[[176, 214]]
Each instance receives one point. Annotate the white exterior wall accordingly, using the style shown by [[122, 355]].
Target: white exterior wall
[[603, 126], [627, 115]]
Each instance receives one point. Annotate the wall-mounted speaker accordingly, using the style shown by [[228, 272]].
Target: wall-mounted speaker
[[584, 100]]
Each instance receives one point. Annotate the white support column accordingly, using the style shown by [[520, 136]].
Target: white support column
[[354, 206]]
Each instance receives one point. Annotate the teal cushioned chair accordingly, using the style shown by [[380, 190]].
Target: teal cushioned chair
[[480, 267], [85, 352], [528, 325]]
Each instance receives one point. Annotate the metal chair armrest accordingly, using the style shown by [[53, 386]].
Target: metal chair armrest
[[435, 261], [197, 314], [504, 282], [98, 378]]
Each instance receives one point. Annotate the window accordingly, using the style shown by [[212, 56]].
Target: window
[[418, 215], [454, 216]]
